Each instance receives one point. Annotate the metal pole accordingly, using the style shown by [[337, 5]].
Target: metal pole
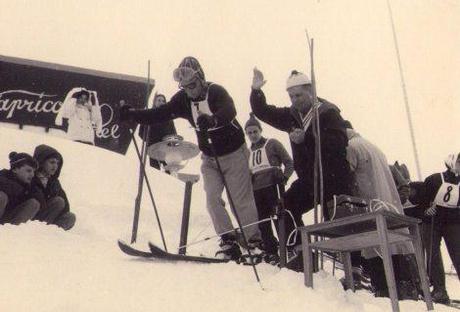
[[406, 99]]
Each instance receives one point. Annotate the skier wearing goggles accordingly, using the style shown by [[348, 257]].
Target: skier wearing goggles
[[211, 111]]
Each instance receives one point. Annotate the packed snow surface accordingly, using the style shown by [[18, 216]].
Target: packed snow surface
[[43, 268]]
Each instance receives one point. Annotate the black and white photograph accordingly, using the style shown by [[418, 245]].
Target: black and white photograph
[[229, 155]]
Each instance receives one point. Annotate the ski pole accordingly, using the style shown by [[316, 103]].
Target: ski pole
[[149, 189], [282, 227], [230, 199], [140, 184], [430, 258], [226, 232], [318, 193]]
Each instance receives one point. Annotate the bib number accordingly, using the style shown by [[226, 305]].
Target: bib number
[[446, 197], [257, 158]]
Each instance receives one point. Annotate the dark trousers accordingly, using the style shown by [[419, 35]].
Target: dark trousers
[[266, 201], [403, 268], [451, 234], [298, 199]]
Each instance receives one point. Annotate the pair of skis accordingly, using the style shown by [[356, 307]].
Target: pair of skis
[[157, 253]]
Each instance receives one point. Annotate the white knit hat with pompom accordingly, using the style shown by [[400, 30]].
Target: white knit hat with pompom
[[297, 79]]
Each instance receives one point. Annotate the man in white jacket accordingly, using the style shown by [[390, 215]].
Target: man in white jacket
[[81, 114]]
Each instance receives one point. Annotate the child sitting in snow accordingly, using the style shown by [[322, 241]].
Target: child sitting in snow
[[17, 202], [54, 206]]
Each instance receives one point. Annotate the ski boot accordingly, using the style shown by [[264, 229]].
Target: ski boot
[[440, 296], [271, 258], [229, 249]]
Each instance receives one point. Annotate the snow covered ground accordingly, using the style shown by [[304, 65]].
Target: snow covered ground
[[43, 268]]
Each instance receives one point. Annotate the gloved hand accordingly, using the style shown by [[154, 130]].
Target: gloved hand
[[125, 111], [206, 121], [279, 177], [431, 211], [404, 193]]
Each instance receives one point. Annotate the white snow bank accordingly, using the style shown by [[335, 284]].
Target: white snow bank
[[43, 268]]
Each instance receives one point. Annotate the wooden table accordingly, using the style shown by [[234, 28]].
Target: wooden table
[[354, 233]]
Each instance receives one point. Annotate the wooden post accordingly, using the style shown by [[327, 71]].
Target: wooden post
[[415, 232], [307, 259], [185, 217], [387, 261], [346, 258]]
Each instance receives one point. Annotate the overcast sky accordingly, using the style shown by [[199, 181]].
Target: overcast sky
[[355, 59]]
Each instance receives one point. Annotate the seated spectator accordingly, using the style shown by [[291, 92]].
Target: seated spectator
[[54, 206], [17, 203]]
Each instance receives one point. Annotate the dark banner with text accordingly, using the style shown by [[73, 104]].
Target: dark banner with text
[[79, 104]]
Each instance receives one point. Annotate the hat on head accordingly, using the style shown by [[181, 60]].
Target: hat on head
[[297, 79], [451, 160], [252, 121], [187, 70], [347, 124], [156, 97], [18, 160], [83, 91]]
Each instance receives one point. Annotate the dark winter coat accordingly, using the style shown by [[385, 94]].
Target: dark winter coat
[[227, 139], [431, 187], [336, 171], [53, 188], [17, 191]]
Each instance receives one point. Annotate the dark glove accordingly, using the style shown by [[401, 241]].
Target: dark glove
[[279, 177], [206, 121], [125, 111], [404, 193]]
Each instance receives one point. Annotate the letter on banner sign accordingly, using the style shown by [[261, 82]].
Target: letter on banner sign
[[79, 104]]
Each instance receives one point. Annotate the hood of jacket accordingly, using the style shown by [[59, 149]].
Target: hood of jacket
[[43, 152]]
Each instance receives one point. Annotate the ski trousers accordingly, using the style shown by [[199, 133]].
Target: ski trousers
[[235, 169]]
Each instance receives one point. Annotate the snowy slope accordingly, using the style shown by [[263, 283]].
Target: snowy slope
[[43, 268]]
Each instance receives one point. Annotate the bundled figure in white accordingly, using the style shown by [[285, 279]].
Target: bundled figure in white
[[80, 114], [373, 181]]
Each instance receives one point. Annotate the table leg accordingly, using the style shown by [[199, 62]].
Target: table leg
[[307, 259], [415, 232], [387, 261], [185, 218], [346, 258]]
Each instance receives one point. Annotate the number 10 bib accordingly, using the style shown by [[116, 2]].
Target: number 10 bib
[[258, 160]]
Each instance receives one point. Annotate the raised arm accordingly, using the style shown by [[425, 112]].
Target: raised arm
[[96, 115], [277, 117], [67, 108]]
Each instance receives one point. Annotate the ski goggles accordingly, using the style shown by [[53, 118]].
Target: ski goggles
[[184, 75]]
